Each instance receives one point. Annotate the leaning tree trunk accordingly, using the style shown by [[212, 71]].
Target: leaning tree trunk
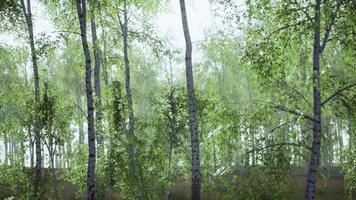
[[81, 10], [315, 153], [193, 121], [28, 18], [97, 86]]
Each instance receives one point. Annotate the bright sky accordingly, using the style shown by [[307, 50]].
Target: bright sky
[[199, 18], [168, 23]]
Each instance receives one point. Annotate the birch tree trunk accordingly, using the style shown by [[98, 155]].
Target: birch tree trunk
[[81, 10], [131, 129], [28, 18], [193, 121], [97, 85], [104, 54], [315, 153], [318, 49]]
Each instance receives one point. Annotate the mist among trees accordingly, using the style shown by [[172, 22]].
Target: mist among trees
[[256, 101]]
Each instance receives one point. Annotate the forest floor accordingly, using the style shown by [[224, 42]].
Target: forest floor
[[330, 187]]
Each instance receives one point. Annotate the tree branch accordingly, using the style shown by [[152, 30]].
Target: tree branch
[[303, 10], [72, 32], [337, 93], [279, 145], [328, 29], [283, 124], [24, 10], [285, 109], [285, 27], [297, 113]]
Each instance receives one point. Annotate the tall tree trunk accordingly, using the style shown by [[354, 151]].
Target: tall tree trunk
[[103, 57], [28, 17], [97, 86], [193, 121], [315, 153], [131, 129], [81, 10]]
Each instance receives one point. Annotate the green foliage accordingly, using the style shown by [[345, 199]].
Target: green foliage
[[172, 115], [348, 167], [76, 174], [54, 117], [10, 14], [14, 181], [117, 111], [255, 62], [258, 184]]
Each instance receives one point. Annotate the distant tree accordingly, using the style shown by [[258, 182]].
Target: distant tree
[[55, 119], [27, 12]]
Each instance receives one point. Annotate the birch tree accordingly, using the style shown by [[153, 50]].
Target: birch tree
[[82, 14], [193, 116]]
